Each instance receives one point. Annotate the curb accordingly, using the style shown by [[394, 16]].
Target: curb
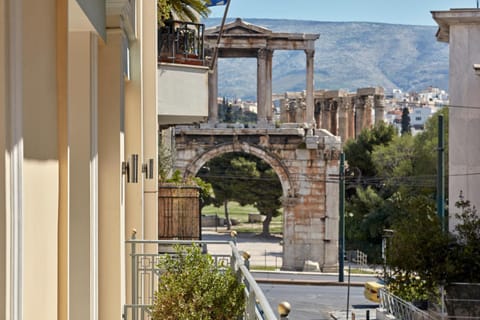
[[308, 282]]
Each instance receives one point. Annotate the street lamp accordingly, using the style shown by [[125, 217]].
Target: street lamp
[[387, 233]]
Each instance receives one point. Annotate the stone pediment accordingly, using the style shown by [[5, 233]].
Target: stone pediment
[[238, 27]]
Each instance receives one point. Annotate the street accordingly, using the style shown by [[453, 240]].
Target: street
[[314, 302]]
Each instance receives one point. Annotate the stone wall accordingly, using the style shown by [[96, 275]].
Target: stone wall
[[310, 194]]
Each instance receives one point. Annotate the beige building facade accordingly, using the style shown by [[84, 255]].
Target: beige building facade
[[78, 116], [461, 29]]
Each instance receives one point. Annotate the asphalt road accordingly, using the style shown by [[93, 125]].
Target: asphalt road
[[315, 302], [311, 278]]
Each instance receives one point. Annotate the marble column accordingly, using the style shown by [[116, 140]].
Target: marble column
[[326, 114], [268, 86], [379, 108], [213, 95], [351, 117], [343, 118], [261, 87], [359, 115], [318, 112], [310, 117], [368, 112], [333, 117]]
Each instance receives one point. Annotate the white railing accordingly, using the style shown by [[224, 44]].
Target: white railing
[[145, 274], [400, 308]]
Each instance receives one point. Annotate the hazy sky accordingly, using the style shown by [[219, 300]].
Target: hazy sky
[[415, 12]]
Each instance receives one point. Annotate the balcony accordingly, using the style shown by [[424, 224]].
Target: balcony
[[181, 43], [146, 273], [182, 76]]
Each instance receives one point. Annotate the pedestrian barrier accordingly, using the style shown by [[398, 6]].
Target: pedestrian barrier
[[145, 275]]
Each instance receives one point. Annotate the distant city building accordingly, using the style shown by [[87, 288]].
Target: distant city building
[[421, 106]]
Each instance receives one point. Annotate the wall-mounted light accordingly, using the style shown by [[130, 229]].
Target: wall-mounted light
[[126, 170], [130, 169], [134, 168], [476, 67], [147, 169]]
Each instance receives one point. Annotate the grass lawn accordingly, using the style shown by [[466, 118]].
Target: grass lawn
[[240, 213]]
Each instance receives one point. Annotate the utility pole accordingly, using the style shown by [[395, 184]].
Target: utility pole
[[441, 174], [341, 213]]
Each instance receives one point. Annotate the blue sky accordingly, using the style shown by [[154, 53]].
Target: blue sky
[[412, 12]]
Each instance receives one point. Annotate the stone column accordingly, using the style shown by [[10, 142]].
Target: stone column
[[261, 85], [326, 114], [268, 86], [351, 117], [359, 114], [213, 95], [333, 117], [284, 110], [318, 113], [310, 118], [379, 108], [368, 112], [343, 118]]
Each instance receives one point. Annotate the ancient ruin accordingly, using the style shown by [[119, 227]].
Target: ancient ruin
[[304, 150]]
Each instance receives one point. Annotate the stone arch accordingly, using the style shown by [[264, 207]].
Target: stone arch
[[280, 169]]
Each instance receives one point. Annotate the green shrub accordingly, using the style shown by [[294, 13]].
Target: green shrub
[[192, 287]]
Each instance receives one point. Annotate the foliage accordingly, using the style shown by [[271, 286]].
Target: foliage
[[410, 287], [206, 189], [193, 287], [268, 198], [184, 10], [406, 129], [358, 151], [419, 249], [464, 253], [246, 179], [403, 170]]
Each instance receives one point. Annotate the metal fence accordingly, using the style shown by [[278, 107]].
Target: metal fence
[[400, 308], [145, 275], [458, 301]]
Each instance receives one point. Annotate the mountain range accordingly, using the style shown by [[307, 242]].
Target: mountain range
[[348, 55]]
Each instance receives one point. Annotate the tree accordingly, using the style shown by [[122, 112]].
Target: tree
[[464, 257], [194, 287], [268, 192], [405, 122], [417, 248], [358, 152], [246, 179], [184, 10]]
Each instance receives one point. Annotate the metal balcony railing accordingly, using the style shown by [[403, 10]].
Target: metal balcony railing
[[145, 275], [181, 42], [400, 308]]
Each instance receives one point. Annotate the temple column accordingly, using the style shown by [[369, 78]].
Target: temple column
[[351, 118], [213, 95], [268, 86], [261, 86], [318, 113], [359, 115], [310, 117], [368, 112], [333, 117], [342, 119], [379, 108], [326, 115]]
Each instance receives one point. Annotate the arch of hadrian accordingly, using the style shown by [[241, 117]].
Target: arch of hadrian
[[304, 151]]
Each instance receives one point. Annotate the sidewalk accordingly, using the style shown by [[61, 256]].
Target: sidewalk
[[264, 252], [364, 313]]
